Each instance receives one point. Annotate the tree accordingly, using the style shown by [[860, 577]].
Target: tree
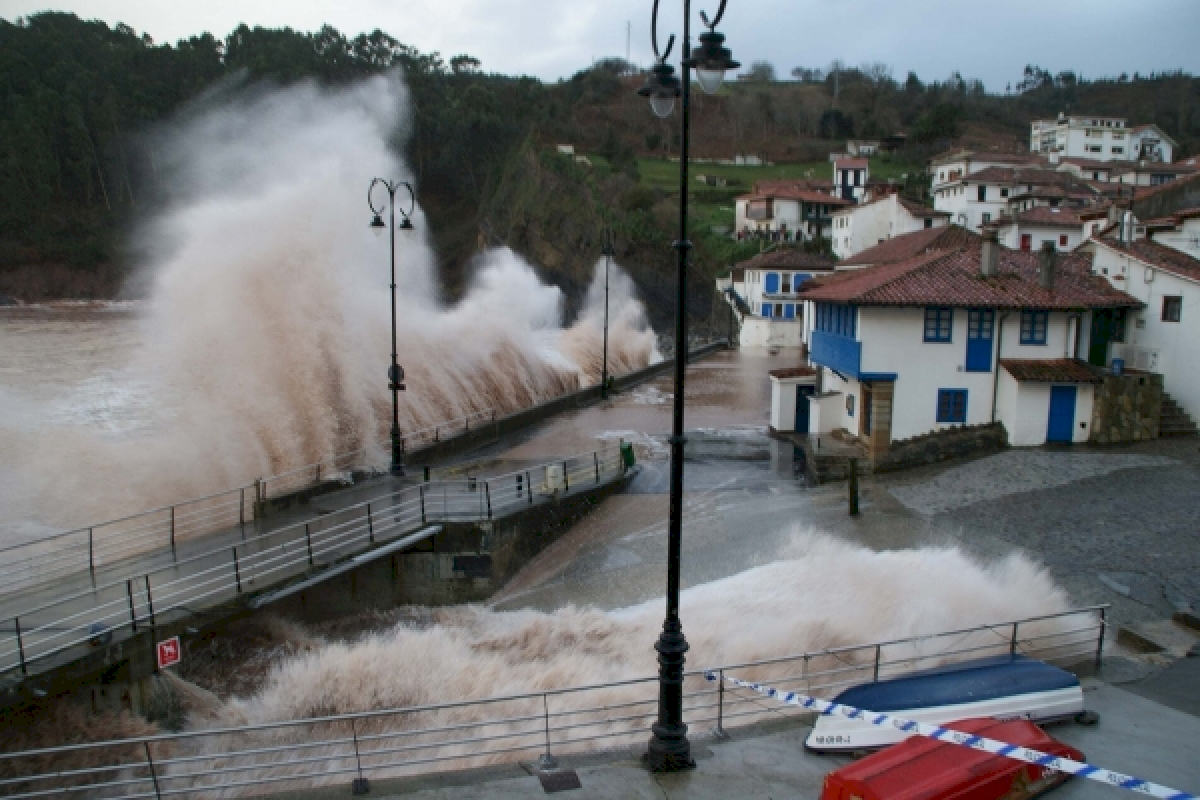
[[761, 72], [913, 85], [940, 122], [835, 125]]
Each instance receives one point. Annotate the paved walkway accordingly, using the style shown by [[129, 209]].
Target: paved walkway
[[1135, 735]]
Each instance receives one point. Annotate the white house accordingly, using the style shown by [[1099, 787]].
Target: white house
[[1059, 227], [941, 340], [1081, 136], [850, 178], [1152, 174], [1150, 143], [907, 245], [796, 211], [1180, 231], [977, 198], [862, 147], [790, 389], [855, 228], [951, 167], [1165, 337], [763, 293]]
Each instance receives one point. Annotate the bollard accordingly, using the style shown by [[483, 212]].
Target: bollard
[[853, 486]]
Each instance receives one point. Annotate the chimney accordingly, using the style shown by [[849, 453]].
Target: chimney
[[989, 257], [1046, 263]]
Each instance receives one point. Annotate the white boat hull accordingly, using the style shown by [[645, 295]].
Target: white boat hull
[[838, 733]]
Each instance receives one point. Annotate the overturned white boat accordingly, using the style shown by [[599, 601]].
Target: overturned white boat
[[1003, 687]]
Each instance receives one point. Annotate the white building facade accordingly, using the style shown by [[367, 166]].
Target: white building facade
[[763, 293], [930, 344], [856, 228], [1165, 336], [1080, 136]]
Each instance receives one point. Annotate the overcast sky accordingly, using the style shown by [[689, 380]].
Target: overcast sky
[[991, 41]]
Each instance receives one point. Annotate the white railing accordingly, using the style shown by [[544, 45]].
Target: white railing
[[108, 543], [60, 630], [291, 756]]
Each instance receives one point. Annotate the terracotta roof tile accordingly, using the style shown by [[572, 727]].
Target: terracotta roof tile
[[908, 245], [1033, 176], [787, 258], [1045, 215], [1052, 370], [952, 277], [1159, 256], [852, 163]]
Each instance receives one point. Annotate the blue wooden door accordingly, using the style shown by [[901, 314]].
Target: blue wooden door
[[1061, 426], [980, 322], [802, 395]]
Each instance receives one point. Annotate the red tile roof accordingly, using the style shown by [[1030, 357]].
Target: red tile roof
[[953, 278], [851, 163], [787, 258], [1033, 176], [1157, 255], [773, 184], [1052, 370], [998, 158], [908, 245], [1047, 216], [792, 372]]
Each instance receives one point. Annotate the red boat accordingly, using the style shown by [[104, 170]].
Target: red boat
[[926, 769]]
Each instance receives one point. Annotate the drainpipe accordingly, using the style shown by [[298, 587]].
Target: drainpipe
[[999, 353]]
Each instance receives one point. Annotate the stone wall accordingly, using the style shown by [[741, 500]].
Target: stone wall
[[1127, 408], [931, 448]]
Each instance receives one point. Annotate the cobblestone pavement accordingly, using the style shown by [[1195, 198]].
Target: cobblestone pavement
[[1118, 525]]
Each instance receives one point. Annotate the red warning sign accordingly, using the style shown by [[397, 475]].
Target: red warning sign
[[169, 653]]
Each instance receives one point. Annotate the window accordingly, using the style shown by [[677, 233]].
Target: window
[[1172, 306], [787, 283], [789, 311], [983, 194], [1118, 135], [1095, 148], [987, 217], [1047, 242], [1026, 241], [849, 405], [952, 406], [938, 323], [1033, 327], [1004, 192], [766, 309], [1062, 240], [779, 309], [928, 222], [1118, 150], [771, 286]]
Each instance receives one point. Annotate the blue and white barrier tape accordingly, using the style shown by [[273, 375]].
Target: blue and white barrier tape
[[1046, 760]]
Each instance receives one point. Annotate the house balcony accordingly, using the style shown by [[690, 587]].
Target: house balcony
[[841, 354]]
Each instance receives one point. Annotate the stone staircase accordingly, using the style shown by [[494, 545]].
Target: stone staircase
[[1174, 421]]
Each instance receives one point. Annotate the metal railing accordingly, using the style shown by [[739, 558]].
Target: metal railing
[[107, 543], [294, 755], [121, 608]]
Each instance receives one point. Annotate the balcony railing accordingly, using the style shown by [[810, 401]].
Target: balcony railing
[[839, 353]]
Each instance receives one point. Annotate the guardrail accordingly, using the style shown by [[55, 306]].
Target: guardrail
[[123, 607], [107, 543], [299, 754]]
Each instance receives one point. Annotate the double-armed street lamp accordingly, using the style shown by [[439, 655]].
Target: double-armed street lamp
[[669, 749], [395, 371]]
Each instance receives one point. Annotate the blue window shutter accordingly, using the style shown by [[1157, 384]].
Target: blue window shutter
[[952, 406], [771, 285], [766, 309], [789, 311]]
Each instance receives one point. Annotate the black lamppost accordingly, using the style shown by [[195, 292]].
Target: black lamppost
[[669, 749], [395, 371], [608, 252]]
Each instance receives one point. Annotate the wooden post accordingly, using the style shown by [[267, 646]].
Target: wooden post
[[853, 487]]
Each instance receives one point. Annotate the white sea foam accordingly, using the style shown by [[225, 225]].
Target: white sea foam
[[268, 324]]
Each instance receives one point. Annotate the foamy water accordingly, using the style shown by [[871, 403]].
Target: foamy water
[[267, 331]]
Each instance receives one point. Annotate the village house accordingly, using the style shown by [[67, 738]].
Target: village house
[[797, 210], [855, 228], [1163, 272], [1152, 173], [850, 176], [977, 198], [1059, 227], [951, 167], [972, 335], [905, 246], [763, 294]]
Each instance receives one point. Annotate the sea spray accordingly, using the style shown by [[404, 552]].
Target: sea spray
[[268, 329], [822, 593]]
